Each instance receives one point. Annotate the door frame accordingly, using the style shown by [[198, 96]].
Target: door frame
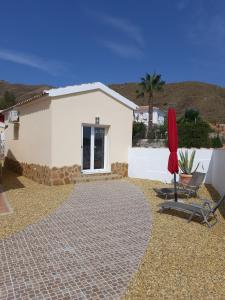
[[92, 170]]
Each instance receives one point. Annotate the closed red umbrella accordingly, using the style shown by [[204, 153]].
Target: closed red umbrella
[[173, 144]]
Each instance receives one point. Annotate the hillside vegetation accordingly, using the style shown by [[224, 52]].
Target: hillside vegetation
[[21, 91], [209, 99]]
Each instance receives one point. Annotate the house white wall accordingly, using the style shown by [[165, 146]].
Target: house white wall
[[151, 163], [71, 111], [50, 129], [33, 144], [216, 171], [157, 116]]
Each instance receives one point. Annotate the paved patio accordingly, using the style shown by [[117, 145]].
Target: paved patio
[[87, 249]]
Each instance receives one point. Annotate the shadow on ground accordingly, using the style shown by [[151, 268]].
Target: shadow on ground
[[10, 180], [216, 197]]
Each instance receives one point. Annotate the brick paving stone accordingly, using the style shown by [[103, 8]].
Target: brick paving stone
[[4, 205], [88, 248]]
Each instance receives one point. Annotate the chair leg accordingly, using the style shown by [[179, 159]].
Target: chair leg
[[205, 220], [163, 208], [191, 216]]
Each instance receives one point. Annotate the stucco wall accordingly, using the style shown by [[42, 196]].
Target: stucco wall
[[216, 171], [151, 163], [34, 134], [71, 111]]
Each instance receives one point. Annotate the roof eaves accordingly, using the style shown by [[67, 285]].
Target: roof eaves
[[90, 87], [25, 101]]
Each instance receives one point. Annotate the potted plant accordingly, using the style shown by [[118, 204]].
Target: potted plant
[[186, 166]]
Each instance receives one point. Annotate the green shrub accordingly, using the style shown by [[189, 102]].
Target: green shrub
[[139, 131], [191, 114], [193, 131], [158, 132], [216, 142], [7, 100]]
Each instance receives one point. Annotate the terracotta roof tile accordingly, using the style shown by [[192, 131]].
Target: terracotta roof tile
[[24, 101]]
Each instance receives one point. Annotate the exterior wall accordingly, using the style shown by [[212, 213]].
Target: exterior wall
[[216, 171], [71, 111], [44, 174], [151, 163], [33, 143]]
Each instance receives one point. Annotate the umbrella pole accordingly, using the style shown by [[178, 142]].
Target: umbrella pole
[[175, 187]]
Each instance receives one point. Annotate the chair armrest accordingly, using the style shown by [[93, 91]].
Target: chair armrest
[[187, 187], [190, 187], [207, 203], [204, 200]]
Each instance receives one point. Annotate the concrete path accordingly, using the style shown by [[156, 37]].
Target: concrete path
[[87, 249]]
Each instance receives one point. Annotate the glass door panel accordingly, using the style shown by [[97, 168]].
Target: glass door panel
[[86, 148], [99, 147]]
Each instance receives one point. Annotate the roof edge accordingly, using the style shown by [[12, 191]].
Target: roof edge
[[25, 101], [73, 89]]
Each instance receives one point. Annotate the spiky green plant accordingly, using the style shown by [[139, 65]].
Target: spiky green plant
[[186, 164]]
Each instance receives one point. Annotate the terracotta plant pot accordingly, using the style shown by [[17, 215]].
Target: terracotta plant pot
[[185, 178]]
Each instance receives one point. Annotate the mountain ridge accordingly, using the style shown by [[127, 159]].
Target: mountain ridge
[[208, 98]]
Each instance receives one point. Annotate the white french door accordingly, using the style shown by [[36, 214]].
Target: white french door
[[93, 148]]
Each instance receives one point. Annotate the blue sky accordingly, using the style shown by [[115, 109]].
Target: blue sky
[[70, 42]]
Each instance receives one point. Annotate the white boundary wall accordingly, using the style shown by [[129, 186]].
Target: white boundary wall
[[216, 171], [151, 163]]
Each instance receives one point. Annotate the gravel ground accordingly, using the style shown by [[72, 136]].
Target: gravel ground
[[183, 260], [30, 201]]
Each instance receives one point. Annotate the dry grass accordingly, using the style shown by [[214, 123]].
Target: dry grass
[[182, 261], [30, 201]]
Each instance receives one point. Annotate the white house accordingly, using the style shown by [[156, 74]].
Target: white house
[[55, 136], [141, 115]]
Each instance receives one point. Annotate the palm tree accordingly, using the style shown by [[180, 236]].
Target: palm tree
[[149, 84]]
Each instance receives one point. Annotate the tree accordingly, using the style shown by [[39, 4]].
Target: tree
[[193, 131], [216, 142], [139, 130], [149, 84], [7, 100]]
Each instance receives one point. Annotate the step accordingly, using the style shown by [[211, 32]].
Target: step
[[96, 177]]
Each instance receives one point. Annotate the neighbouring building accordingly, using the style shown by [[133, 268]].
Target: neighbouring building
[[141, 115], [63, 132]]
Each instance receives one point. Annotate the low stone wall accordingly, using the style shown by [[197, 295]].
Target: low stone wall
[[120, 169], [44, 174], [64, 175]]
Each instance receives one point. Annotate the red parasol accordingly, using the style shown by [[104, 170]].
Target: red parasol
[[173, 144]]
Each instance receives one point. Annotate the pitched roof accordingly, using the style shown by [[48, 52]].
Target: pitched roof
[[25, 101], [74, 89]]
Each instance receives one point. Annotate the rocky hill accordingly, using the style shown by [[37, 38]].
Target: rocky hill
[[21, 91], [209, 99]]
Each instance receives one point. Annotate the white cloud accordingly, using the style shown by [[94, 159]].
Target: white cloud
[[126, 51], [48, 66], [131, 30], [133, 39]]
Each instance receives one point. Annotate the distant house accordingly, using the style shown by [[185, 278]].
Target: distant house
[[141, 115], [63, 132]]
